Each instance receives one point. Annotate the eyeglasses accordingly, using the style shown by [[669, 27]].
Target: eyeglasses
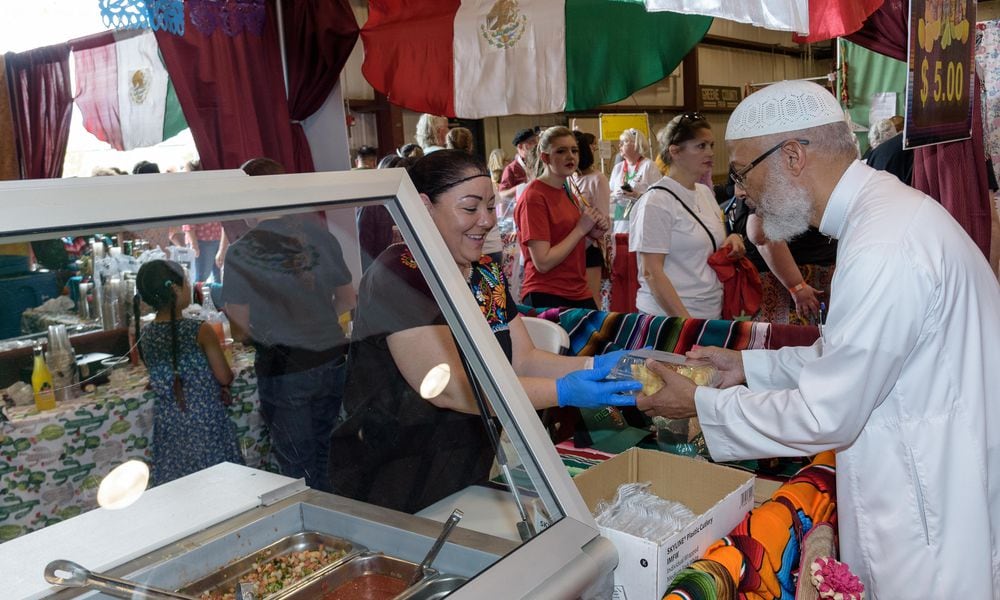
[[691, 117], [740, 176]]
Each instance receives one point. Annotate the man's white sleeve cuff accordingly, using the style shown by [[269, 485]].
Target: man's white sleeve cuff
[[706, 401], [757, 369]]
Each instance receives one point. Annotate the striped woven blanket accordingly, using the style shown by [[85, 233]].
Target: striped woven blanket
[[596, 332], [759, 559]]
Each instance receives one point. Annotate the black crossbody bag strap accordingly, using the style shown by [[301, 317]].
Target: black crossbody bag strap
[[690, 212]]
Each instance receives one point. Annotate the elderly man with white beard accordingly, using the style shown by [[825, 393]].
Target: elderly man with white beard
[[898, 383]]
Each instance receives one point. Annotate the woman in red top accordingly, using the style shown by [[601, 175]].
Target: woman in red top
[[552, 224]]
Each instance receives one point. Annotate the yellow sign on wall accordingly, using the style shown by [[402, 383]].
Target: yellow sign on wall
[[613, 124]]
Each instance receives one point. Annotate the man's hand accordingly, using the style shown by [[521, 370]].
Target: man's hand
[[675, 400], [729, 364]]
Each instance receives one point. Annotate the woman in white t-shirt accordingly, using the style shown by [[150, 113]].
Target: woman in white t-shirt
[[676, 228], [633, 175]]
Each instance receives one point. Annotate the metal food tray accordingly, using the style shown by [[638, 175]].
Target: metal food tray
[[434, 588], [230, 575], [369, 563]]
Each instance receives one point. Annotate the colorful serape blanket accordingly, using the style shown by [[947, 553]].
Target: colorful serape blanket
[[578, 460], [759, 559], [596, 332]]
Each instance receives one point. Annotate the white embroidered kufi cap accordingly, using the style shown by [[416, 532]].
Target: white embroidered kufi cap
[[783, 107]]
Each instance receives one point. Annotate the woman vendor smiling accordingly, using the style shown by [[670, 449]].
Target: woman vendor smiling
[[396, 448]]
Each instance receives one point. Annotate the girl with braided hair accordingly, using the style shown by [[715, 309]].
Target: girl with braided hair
[[187, 372]]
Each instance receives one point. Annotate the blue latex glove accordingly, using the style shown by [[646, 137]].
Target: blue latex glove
[[608, 361], [588, 389]]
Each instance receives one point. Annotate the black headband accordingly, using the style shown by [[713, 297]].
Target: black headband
[[435, 191]]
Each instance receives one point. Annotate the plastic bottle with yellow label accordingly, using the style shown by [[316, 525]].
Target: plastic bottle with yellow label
[[41, 382]]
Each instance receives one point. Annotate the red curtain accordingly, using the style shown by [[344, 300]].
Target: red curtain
[[41, 104], [96, 63], [885, 30], [319, 36], [232, 91], [954, 173], [832, 18], [232, 88]]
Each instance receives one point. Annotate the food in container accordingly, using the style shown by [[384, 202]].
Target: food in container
[[270, 576], [368, 576], [370, 586], [633, 366], [284, 564]]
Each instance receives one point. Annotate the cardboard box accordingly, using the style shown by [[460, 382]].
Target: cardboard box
[[720, 496], [763, 489]]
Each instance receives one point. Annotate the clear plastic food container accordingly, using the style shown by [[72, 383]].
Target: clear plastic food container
[[633, 366]]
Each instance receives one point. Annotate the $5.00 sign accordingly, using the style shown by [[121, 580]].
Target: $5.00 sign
[[940, 86]]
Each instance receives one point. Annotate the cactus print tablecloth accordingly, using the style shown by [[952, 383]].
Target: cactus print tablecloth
[[52, 462]]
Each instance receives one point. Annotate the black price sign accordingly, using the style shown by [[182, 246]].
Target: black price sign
[[941, 78]]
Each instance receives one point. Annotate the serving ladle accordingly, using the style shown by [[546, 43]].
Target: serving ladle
[[420, 573], [69, 574]]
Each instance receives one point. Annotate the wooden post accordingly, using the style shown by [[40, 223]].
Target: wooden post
[[389, 121]]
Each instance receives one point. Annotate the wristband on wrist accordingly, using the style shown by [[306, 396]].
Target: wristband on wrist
[[589, 363], [797, 288]]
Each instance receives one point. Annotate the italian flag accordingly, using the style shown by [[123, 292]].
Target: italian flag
[[480, 58], [124, 93]]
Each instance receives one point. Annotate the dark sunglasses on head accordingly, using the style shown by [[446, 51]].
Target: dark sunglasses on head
[[686, 119]]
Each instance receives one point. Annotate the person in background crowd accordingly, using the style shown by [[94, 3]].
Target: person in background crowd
[[162, 237], [285, 288], [993, 186], [676, 225], [106, 171], [409, 151], [497, 162], [365, 158], [206, 241], [188, 375], [234, 229], [144, 167], [431, 132], [890, 156], [786, 268], [881, 131], [901, 382], [552, 224], [395, 447], [515, 173], [376, 229], [592, 184], [631, 177], [460, 138]]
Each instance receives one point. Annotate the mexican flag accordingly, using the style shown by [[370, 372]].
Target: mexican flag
[[779, 15], [124, 93], [480, 58]]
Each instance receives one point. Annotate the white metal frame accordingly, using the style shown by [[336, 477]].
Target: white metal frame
[[38, 209]]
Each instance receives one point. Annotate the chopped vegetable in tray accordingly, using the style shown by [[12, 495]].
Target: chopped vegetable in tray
[[278, 573]]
